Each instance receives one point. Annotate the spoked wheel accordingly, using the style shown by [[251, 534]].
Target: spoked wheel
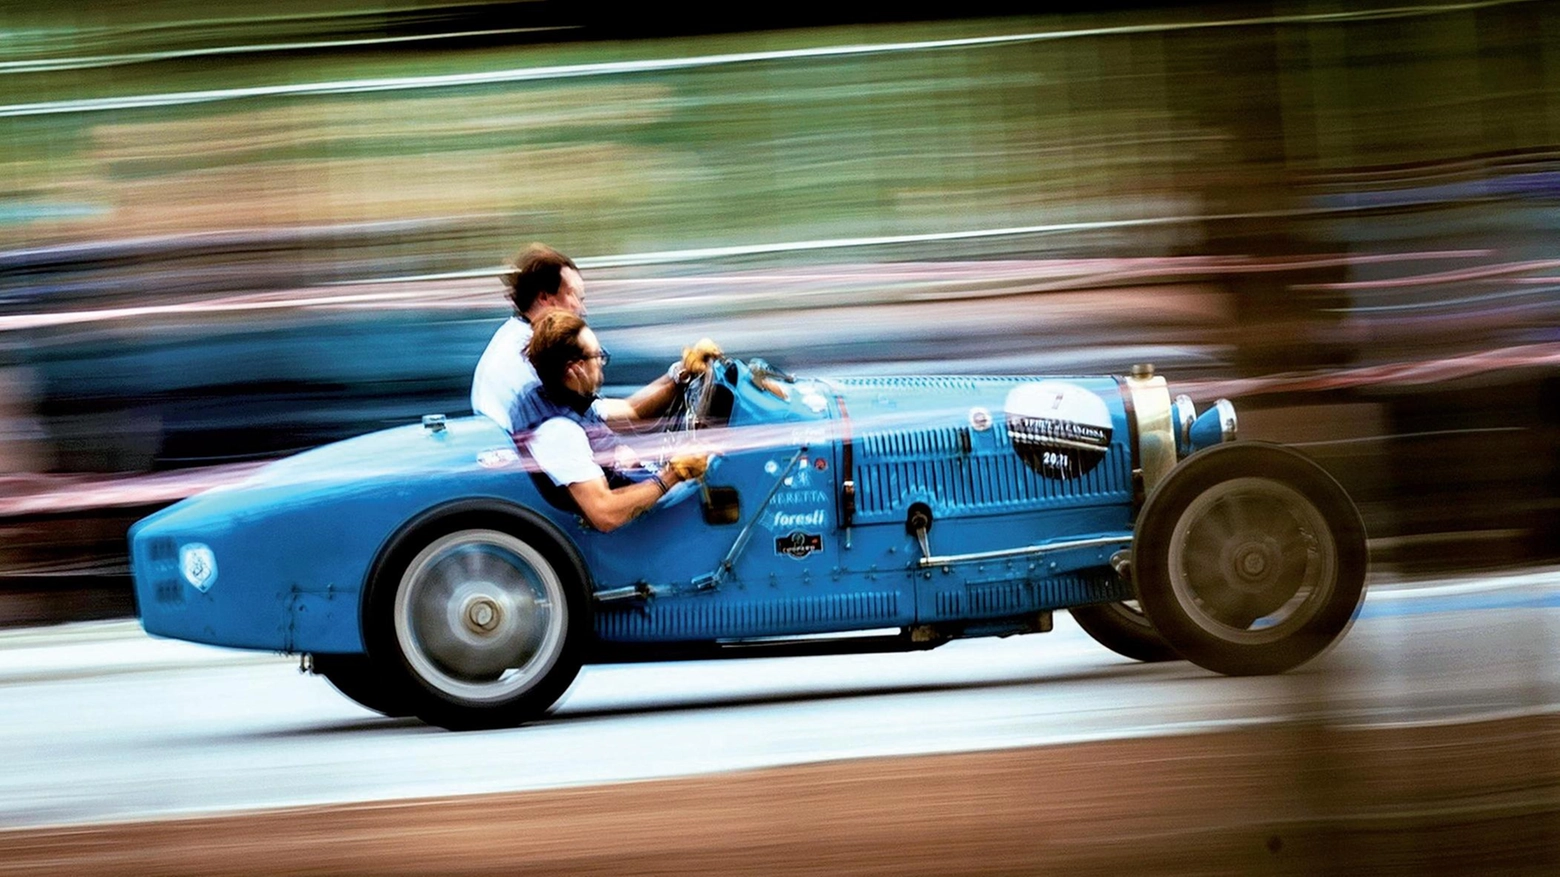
[[1249, 559], [1122, 628], [356, 677], [486, 630]]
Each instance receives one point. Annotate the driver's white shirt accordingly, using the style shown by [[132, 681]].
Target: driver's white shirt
[[562, 449], [503, 373]]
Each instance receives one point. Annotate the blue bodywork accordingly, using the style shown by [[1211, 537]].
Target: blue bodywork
[[825, 480]]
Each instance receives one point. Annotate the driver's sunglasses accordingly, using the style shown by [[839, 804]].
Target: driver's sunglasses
[[604, 356]]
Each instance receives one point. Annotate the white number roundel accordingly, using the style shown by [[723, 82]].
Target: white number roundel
[[1058, 429]]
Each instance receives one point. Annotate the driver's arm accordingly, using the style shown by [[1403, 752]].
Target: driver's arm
[[649, 401], [656, 396], [563, 452], [607, 508]]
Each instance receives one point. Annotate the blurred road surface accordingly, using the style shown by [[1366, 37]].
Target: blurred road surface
[[100, 723]]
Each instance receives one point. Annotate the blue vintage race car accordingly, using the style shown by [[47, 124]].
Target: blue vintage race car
[[422, 571]]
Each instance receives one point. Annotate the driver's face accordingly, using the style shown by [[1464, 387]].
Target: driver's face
[[592, 372], [570, 295]]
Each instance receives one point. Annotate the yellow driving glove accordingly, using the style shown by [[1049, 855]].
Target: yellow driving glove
[[689, 466], [696, 359]]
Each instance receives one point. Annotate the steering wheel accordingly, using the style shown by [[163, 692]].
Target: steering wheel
[[688, 409], [698, 397]]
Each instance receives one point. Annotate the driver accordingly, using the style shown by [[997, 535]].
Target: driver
[[540, 280], [568, 437]]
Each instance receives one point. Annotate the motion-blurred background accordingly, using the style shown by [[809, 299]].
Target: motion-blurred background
[[235, 231]]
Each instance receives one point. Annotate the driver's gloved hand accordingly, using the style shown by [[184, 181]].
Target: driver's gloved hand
[[696, 359], [688, 467]]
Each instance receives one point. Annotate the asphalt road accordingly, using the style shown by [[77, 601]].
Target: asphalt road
[[99, 723]]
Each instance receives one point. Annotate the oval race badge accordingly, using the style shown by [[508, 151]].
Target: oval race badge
[[1059, 430]]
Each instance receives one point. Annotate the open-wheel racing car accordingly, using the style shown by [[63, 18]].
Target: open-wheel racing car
[[423, 572]]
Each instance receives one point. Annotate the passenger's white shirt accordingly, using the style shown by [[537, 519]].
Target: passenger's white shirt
[[503, 373], [562, 449]]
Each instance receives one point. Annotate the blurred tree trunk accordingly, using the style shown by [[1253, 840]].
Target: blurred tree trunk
[[1233, 82]]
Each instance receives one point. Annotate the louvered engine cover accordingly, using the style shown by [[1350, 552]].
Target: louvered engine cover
[[981, 446]]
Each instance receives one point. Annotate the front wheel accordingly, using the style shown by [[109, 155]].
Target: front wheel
[[484, 629], [1249, 559]]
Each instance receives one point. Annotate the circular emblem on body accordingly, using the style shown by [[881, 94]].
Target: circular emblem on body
[[1059, 430], [497, 458], [198, 564]]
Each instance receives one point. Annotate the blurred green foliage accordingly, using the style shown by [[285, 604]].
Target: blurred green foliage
[[1158, 120]]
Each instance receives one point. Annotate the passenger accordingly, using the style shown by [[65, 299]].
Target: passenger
[[540, 280], [567, 437]]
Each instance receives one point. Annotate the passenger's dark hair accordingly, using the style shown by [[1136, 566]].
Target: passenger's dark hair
[[555, 342], [536, 270]]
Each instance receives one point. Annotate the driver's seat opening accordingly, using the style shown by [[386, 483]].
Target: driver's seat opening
[[556, 495]]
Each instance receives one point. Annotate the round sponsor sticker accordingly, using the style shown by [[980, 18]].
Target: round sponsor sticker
[[1059, 430], [980, 419], [497, 458]]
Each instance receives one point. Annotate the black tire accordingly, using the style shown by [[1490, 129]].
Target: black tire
[[477, 627], [356, 677], [1249, 559], [1122, 628]]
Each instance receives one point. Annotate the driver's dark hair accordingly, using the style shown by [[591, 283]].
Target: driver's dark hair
[[555, 342], [535, 271]]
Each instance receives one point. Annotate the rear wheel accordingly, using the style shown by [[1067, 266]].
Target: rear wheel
[[357, 678], [479, 628], [1122, 628], [1249, 559]]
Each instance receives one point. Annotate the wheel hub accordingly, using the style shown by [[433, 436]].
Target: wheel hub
[[1252, 564], [1253, 560], [482, 614]]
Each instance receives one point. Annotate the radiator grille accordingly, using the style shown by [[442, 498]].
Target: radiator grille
[[906, 444], [927, 382], [981, 482]]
